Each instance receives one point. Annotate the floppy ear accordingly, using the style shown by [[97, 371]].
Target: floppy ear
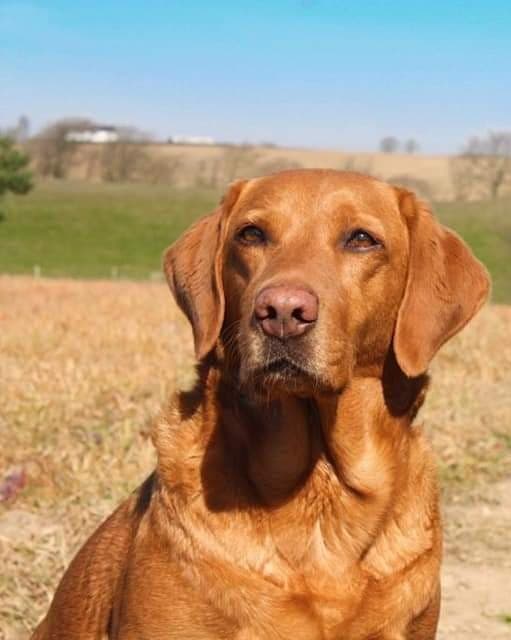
[[193, 268], [446, 286]]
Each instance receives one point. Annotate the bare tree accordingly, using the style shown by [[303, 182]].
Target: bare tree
[[20, 132], [421, 187], [239, 162], [133, 134], [389, 144], [161, 170], [484, 167], [53, 151], [127, 159], [357, 165], [206, 174], [122, 161], [462, 180], [235, 162], [275, 165]]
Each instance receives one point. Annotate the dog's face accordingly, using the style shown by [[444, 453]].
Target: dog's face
[[314, 270], [303, 278]]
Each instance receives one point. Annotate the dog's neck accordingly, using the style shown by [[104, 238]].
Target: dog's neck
[[350, 458], [275, 445], [354, 433]]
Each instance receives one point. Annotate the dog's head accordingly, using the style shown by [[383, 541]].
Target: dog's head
[[300, 279]]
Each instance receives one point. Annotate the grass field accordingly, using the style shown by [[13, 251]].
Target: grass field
[[486, 226], [85, 366], [96, 230], [86, 230]]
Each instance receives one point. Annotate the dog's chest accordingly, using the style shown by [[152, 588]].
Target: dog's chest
[[266, 596], [298, 570], [260, 579]]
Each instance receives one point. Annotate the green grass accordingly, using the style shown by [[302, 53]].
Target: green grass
[[486, 226], [86, 230]]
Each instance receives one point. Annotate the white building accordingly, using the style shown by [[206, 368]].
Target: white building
[[198, 140], [94, 134]]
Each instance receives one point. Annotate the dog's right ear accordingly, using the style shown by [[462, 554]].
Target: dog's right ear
[[193, 268]]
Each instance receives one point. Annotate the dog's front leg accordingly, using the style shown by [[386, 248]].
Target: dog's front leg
[[82, 605]]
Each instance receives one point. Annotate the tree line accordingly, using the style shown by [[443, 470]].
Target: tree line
[[482, 169]]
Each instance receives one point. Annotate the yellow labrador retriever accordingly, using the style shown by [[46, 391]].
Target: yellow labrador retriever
[[293, 497]]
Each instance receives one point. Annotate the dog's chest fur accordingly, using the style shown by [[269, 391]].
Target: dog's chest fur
[[305, 569]]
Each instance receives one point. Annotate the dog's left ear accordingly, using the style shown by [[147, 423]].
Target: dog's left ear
[[446, 286], [193, 268]]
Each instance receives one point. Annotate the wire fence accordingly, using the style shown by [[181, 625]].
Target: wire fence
[[115, 273]]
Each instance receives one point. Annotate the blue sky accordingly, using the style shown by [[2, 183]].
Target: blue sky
[[317, 73]]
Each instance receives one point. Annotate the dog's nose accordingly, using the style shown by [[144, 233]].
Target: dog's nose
[[286, 312]]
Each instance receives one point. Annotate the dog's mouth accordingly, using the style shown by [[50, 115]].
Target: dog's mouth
[[275, 366], [283, 373], [285, 368]]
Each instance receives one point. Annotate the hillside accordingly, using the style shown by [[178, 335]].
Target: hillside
[[188, 165]]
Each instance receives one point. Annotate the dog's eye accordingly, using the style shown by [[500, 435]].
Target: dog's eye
[[359, 240], [251, 235]]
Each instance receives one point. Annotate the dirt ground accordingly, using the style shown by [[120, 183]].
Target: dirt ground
[[84, 366], [476, 600]]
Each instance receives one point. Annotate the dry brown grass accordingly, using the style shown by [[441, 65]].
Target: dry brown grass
[[85, 365], [194, 162]]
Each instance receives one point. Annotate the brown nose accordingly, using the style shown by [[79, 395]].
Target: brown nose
[[285, 312]]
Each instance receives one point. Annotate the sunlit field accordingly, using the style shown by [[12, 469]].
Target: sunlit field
[[85, 367], [96, 230]]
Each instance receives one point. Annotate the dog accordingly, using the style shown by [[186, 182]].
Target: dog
[[293, 496]]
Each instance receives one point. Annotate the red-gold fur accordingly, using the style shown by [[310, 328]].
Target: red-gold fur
[[297, 500]]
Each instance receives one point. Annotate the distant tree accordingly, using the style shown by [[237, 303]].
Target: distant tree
[[52, 149], [421, 187], [122, 161], [239, 161], [463, 184], [133, 134], [162, 170], [22, 133], [274, 165], [360, 164], [484, 166], [236, 161], [19, 132], [126, 160], [389, 144], [14, 174], [411, 146]]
